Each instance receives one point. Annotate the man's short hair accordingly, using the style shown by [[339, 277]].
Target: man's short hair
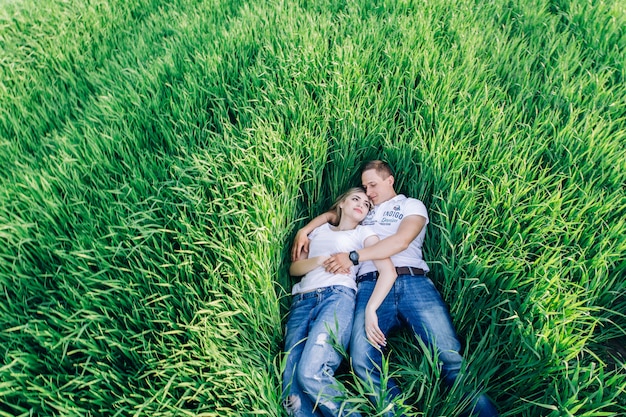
[[382, 168]]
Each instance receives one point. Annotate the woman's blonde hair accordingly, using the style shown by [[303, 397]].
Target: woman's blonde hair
[[335, 207]]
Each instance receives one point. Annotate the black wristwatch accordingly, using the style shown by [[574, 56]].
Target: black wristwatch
[[354, 257]]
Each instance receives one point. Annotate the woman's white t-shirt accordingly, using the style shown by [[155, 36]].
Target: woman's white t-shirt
[[325, 242]]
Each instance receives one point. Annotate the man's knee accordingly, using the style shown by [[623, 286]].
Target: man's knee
[[451, 362], [361, 365], [364, 364]]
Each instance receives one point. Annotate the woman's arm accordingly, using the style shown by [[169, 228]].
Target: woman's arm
[[306, 265], [386, 278]]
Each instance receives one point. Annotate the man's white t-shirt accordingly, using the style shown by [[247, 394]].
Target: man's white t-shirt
[[324, 242], [385, 219]]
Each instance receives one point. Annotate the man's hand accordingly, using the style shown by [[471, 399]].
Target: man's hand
[[338, 263], [300, 244], [374, 334]]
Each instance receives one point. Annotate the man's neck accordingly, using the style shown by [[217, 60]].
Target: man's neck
[[394, 195]]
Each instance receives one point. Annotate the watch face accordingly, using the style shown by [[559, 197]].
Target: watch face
[[354, 256]]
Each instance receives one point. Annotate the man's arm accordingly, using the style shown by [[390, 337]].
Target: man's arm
[[301, 241], [409, 228]]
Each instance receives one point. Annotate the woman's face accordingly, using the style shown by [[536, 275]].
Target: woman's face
[[356, 205]]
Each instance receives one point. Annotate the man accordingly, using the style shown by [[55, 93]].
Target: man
[[385, 305]]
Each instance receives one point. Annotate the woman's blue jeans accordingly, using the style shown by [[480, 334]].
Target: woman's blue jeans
[[413, 302], [318, 321]]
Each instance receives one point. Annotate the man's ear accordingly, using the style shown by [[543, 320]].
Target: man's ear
[[391, 180]]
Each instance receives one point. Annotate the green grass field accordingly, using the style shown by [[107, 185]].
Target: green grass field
[[157, 158]]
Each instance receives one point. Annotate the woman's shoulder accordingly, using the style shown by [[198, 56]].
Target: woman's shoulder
[[320, 229], [364, 231]]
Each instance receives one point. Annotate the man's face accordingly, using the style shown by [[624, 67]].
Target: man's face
[[377, 188]]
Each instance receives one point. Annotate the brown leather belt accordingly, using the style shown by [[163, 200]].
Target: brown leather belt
[[401, 270], [409, 270]]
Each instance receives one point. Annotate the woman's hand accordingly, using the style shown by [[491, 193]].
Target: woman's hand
[[374, 334], [300, 244]]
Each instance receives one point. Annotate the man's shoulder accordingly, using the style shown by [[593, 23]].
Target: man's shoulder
[[409, 206], [404, 200]]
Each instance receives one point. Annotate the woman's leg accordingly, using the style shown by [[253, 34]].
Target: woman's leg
[[295, 401], [329, 331]]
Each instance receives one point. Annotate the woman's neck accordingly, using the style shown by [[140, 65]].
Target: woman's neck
[[346, 224]]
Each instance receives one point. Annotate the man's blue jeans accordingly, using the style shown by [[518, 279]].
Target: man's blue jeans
[[318, 321], [414, 302]]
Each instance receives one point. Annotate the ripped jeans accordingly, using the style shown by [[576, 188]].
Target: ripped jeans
[[319, 321]]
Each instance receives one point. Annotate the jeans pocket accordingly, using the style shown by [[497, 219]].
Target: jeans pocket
[[343, 290]]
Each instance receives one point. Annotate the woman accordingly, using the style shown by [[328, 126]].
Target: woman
[[320, 318]]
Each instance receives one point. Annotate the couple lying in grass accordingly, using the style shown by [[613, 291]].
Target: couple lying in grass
[[363, 276]]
